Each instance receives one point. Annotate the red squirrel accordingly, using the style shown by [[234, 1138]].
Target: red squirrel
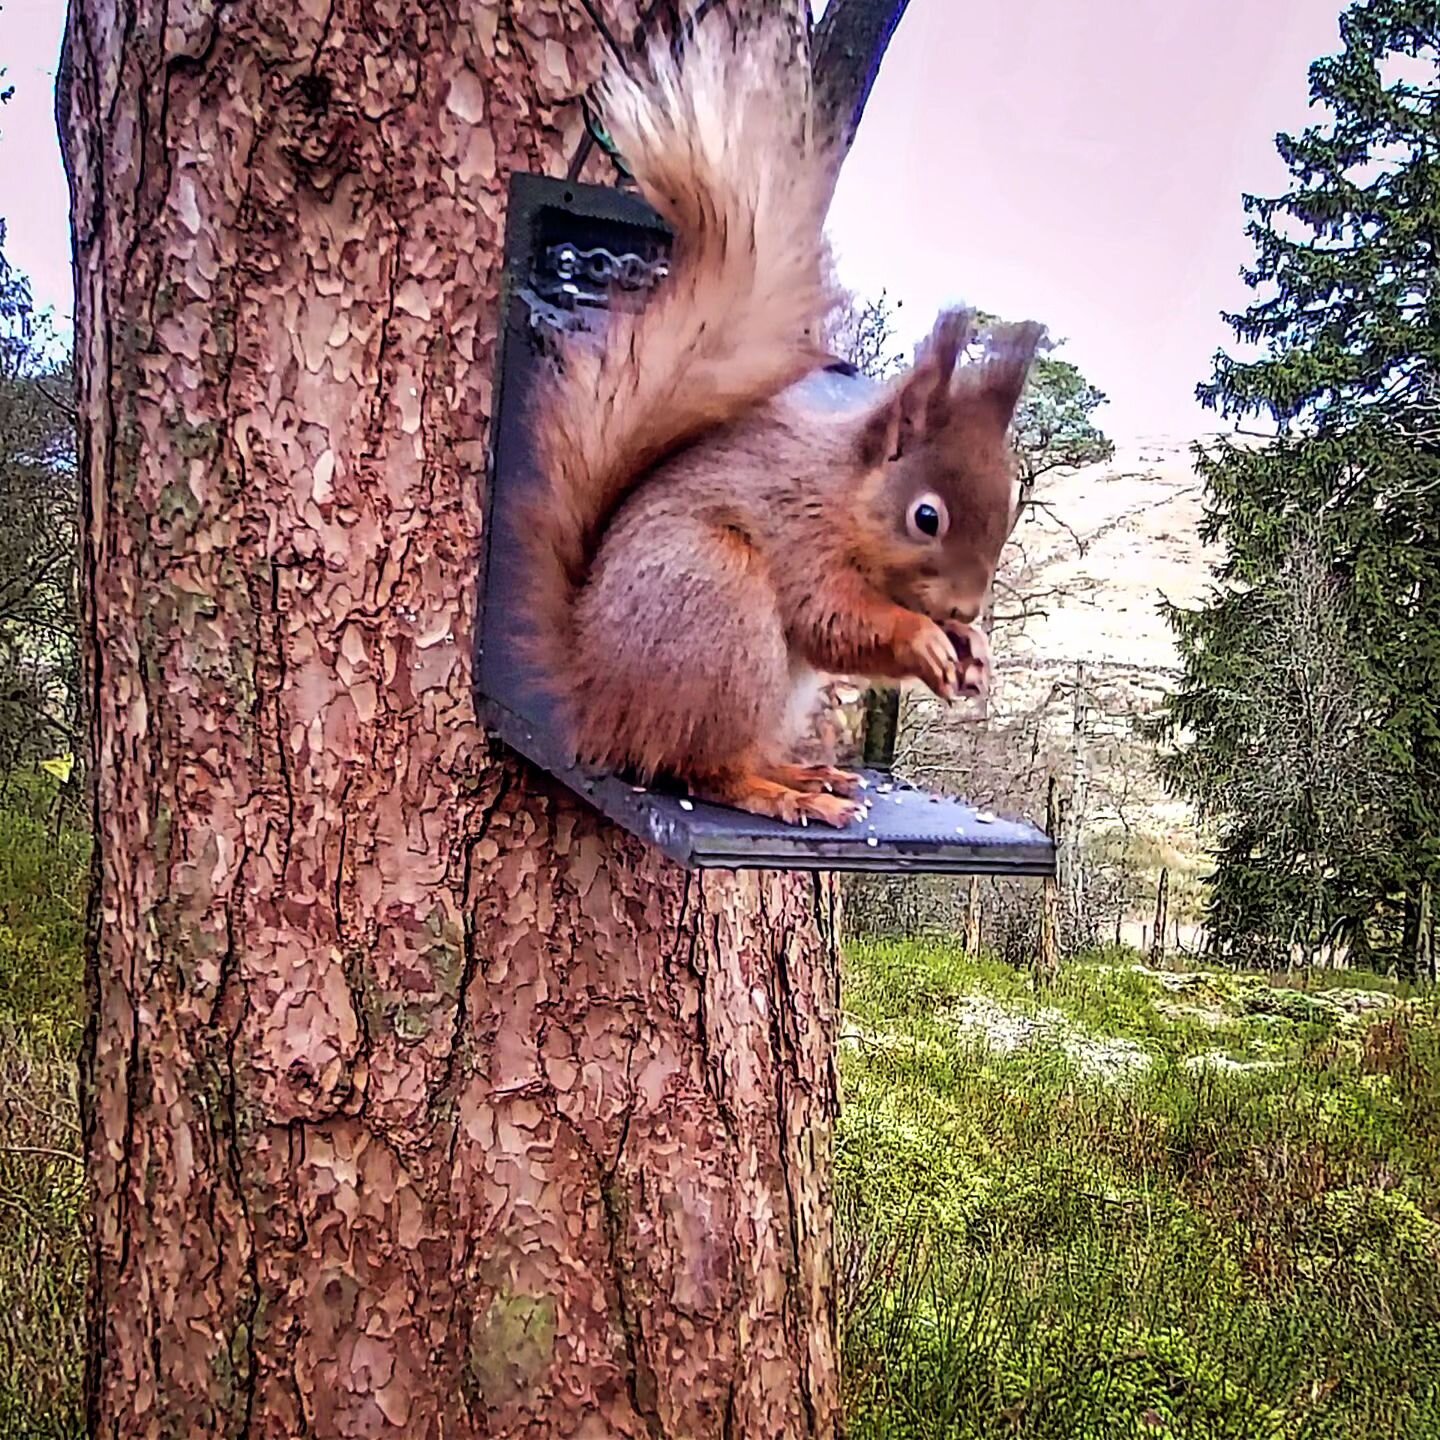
[[705, 547]]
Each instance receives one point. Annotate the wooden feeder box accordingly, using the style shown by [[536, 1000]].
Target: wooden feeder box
[[571, 250]]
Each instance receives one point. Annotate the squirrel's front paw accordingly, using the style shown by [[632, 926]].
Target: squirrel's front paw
[[972, 646], [926, 652]]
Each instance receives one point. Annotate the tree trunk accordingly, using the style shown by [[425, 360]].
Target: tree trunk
[[419, 1102], [882, 727], [1047, 956], [1425, 938]]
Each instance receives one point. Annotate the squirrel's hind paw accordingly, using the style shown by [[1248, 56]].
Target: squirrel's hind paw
[[830, 809], [759, 795], [812, 778]]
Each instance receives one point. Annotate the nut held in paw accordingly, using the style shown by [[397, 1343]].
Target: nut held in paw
[[972, 650]]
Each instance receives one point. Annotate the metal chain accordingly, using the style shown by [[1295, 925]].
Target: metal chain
[[604, 267], [567, 278]]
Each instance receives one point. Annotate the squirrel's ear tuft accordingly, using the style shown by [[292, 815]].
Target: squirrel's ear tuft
[[918, 407], [998, 378]]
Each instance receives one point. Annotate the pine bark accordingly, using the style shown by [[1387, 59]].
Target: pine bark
[[419, 1102]]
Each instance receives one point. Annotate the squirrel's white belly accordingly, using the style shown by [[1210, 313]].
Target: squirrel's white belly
[[806, 687]]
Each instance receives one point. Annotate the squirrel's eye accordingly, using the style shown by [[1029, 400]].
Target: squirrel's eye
[[927, 518]]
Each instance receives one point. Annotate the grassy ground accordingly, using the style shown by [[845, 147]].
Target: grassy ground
[[1150, 1207], [42, 1257]]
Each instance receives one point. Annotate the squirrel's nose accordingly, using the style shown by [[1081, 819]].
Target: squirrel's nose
[[966, 614]]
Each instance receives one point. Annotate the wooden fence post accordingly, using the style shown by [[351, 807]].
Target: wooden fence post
[[1047, 956], [1162, 910], [972, 918]]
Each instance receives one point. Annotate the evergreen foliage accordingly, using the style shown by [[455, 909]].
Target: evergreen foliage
[[1342, 342]]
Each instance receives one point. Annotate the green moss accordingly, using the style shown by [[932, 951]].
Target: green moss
[[511, 1347], [411, 1022], [447, 966], [446, 955], [196, 442], [1294, 1005], [178, 507]]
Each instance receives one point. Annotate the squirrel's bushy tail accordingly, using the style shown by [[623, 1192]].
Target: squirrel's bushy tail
[[713, 139]]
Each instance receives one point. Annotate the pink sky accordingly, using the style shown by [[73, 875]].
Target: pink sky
[[1081, 164], [1076, 163]]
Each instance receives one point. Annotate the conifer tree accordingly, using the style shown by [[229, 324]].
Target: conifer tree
[[1343, 338]]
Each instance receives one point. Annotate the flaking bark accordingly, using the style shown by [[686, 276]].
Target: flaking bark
[[418, 1100]]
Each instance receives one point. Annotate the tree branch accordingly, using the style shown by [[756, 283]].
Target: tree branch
[[846, 50], [68, 411], [1047, 508]]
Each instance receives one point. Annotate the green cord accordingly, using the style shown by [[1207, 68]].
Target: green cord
[[601, 137]]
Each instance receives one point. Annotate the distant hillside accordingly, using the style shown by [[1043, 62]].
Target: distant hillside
[[1113, 540], [1082, 652]]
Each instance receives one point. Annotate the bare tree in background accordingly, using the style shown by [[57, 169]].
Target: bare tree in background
[[999, 761], [39, 623], [858, 724], [1306, 758], [862, 332]]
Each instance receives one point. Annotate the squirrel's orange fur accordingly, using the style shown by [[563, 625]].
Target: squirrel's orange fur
[[706, 545]]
